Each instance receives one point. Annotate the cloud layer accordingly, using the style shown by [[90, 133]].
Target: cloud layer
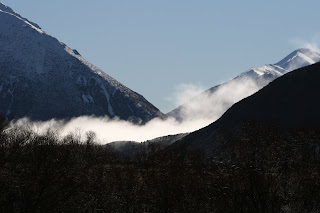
[[109, 130], [198, 113]]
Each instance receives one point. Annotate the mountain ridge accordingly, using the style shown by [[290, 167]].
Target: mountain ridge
[[42, 78], [290, 102], [218, 99]]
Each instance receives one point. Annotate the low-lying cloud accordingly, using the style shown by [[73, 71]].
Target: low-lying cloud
[[212, 104], [185, 92], [200, 112], [109, 130]]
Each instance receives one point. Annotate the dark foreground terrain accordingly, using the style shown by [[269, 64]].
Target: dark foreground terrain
[[261, 169]]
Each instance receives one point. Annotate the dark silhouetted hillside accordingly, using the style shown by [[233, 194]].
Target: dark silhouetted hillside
[[291, 101]]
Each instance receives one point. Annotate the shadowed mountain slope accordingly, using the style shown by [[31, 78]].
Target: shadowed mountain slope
[[42, 78]]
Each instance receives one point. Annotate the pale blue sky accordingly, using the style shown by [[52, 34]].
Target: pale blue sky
[[152, 46]]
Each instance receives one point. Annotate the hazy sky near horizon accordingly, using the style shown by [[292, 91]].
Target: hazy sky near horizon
[[153, 47]]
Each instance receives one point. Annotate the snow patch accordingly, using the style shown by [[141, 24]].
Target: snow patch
[[85, 99], [110, 109], [130, 108], [309, 60], [82, 81], [90, 98]]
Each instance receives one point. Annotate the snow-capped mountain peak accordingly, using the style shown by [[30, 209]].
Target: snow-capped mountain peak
[[299, 58]]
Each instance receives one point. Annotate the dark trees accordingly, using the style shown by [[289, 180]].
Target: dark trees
[[261, 168]]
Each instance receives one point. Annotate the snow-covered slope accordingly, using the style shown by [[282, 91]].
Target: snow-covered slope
[[42, 78], [299, 58], [212, 103]]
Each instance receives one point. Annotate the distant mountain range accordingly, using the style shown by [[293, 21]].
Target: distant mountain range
[[212, 103], [290, 102], [42, 78]]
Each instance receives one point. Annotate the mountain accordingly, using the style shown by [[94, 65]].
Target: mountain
[[212, 103], [290, 102], [42, 78]]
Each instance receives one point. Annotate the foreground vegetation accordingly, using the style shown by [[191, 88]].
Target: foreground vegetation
[[260, 169]]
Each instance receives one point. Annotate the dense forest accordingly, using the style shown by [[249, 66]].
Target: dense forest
[[259, 168]]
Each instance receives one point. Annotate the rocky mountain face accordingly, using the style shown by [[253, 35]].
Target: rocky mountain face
[[289, 102], [212, 103], [42, 78]]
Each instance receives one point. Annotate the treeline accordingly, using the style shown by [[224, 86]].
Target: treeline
[[260, 169]]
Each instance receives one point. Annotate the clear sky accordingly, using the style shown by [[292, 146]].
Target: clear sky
[[152, 46]]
